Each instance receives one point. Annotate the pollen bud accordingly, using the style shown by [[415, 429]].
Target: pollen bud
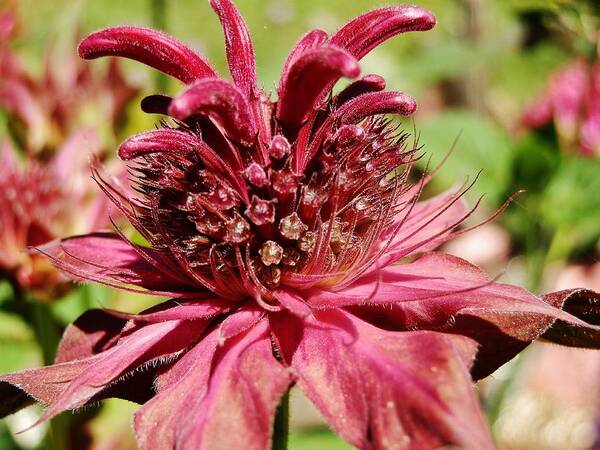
[[223, 198], [349, 135], [271, 253], [292, 227], [256, 175], [284, 182], [307, 241], [260, 211], [237, 230], [279, 148]]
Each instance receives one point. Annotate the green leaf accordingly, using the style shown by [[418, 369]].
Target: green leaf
[[482, 146]]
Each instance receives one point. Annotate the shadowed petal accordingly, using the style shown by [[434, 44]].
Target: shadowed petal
[[156, 104], [228, 407], [309, 78], [221, 101], [107, 258], [381, 389], [581, 303], [368, 83], [93, 332], [151, 47], [366, 32]]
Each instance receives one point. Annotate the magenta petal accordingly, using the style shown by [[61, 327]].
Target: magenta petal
[[381, 389], [311, 40], [366, 32], [237, 323], [444, 293], [368, 83], [178, 310], [44, 385], [151, 47], [221, 101], [309, 78], [221, 398], [376, 103], [107, 258], [150, 344], [238, 45], [158, 141], [71, 384]]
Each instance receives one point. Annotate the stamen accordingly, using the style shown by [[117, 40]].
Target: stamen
[[271, 253], [291, 227], [237, 230]]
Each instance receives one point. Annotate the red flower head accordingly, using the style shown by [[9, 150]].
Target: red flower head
[[572, 102], [46, 110], [275, 226], [41, 202]]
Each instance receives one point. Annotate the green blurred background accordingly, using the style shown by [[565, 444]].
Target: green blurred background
[[473, 76]]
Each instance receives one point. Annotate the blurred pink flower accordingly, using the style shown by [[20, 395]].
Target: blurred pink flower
[[48, 109], [41, 202], [572, 102], [275, 228]]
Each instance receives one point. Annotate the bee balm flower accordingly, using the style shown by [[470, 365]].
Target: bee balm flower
[[572, 102], [274, 227]]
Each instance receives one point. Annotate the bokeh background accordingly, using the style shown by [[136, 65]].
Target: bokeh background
[[491, 80]]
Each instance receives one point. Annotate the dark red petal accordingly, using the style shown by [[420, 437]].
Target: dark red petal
[[368, 83], [150, 344], [581, 303], [441, 292], [309, 78], [238, 45], [156, 104], [311, 40], [107, 258], [366, 32], [216, 397], [151, 47], [221, 101], [76, 383], [376, 103], [381, 389], [158, 141]]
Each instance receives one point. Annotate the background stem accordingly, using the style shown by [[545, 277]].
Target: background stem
[[158, 18], [281, 426]]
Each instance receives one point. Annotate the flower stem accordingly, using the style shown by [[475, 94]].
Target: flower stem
[[158, 17], [47, 332], [281, 426]]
